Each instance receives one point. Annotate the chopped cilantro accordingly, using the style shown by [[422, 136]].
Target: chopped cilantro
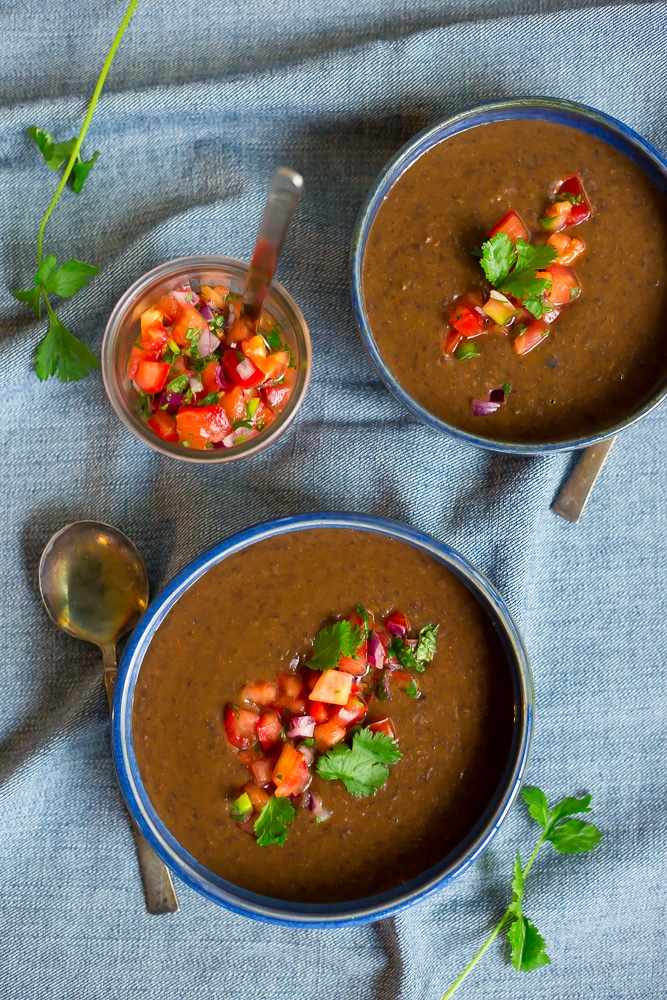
[[363, 767], [178, 384], [365, 617], [274, 339], [425, 650], [498, 258], [507, 388], [242, 423], [242, 808], [144, 405], [271, 824], [334, 641], [208, 400], [251, 406], [412, 690], [466, 350], [404, 654]]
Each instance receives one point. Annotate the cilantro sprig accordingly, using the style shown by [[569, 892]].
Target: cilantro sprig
[[568, 836], [423, 653], [61, 352], [512, 269], [271, 825], [362, 767], [333, 641]]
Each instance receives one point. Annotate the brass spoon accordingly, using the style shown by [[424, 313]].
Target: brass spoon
[[94, 585]]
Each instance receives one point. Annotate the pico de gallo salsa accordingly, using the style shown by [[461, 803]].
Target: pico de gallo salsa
[[328, 717], [532, 283], [205, 379]]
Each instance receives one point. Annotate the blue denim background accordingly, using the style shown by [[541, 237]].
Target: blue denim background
[[202, 102]]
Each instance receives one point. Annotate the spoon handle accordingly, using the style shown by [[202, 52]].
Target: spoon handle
[[574, 495], [284, 195], [158, 887]]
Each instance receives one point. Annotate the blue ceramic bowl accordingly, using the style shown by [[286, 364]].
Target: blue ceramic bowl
[[357, 911], [546, 109]]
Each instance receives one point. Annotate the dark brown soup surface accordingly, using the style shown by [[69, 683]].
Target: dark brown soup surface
[[245, 619], [607, 352]]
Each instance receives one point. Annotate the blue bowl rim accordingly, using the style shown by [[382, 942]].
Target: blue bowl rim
[[335, 914], [581, 116]]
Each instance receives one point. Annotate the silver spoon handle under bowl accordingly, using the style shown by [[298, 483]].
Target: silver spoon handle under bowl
[[158, 886], [574, 495], [281, 202]]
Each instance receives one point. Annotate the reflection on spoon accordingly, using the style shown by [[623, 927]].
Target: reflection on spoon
[[94, 585]]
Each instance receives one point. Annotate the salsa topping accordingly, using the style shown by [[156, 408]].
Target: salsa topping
[[531, 283], [318, 719], [205, 379]]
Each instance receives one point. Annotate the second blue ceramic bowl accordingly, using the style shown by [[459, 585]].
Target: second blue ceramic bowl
[[300, 914], [546, 109]]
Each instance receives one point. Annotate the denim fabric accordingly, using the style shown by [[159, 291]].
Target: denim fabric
[[202, 103]]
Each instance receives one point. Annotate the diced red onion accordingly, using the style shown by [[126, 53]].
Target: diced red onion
[[186, 295], [228, 442], [231, 318], [207, 343], [308, 753], [375, 651], [207, 311], [196, 383], [317, 807], [384, 638], [245, 369], [383, 684], [172, 401], [301, 728], [220, 378], [395, 628], [482, 408], [497, 396]]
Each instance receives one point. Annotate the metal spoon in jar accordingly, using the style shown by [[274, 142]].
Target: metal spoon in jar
[[94, 585], [284, 195]]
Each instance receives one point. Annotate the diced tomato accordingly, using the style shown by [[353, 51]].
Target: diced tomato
[[357, 667], [188, 318], [401, 678], [262, 771], [199, 426], [568, 247], [233, 402], [289, 706], [290, 685], [275, 396], [580, 211], [254, 348], [208, 377], [259, 693], [240, 370], [154, 337], [333, 687], [383, 726], [311, 678], [531, 337], [318, 711], [264, 415], [291, 775], [555, 217], [239, 332], [274, 365], [466, 320], [352, 712], [564, 284], [164, 425], [150, 316], [216, 296], [269, 729], [452, 341], [512, 224], [328, 735], [257, 795], [397, 620], [151, 376], [137, 355], [248, 757], [240, 726], [168, 307]]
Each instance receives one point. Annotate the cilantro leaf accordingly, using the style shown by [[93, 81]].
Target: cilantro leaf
[[570, 807], [404, 654], [517, 888], [363, 767], [365, 617], [66, 280], [412, 690], [574, 836], [528, 946], [498, 257], [425, 650], [31, 297], [271, 824], [537, 804], [535, 305], [80, 171], [63, 354], [334, 641]]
